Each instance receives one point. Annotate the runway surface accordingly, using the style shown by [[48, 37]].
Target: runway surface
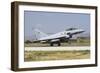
[[56, 48]]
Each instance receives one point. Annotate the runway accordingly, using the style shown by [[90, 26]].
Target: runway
[[57, 48]]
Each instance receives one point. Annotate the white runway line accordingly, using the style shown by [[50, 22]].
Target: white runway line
[[56, 48]]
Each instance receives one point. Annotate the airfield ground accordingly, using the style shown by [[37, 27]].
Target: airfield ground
[[56, 55], [63, 54]]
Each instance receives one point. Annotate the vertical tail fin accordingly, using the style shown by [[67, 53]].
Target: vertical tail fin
[[39, 34]]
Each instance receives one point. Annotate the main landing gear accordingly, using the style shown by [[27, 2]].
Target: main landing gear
[[58, 43]]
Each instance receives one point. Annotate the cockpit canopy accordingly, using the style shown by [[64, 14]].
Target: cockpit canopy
[[71, 29]]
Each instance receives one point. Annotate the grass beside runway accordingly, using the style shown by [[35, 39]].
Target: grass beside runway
[[56, 55]]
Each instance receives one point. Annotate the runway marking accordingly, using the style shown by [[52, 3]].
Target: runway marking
[[56, 48]]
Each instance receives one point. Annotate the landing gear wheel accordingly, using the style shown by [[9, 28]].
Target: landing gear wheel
[[51, 44], [59, 44]]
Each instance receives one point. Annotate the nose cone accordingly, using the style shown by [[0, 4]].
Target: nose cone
[[78, 31], [81, 31]]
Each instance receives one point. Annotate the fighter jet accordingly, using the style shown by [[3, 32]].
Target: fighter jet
[[57, 37]]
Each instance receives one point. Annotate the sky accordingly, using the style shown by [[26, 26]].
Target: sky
[[53, 22]]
